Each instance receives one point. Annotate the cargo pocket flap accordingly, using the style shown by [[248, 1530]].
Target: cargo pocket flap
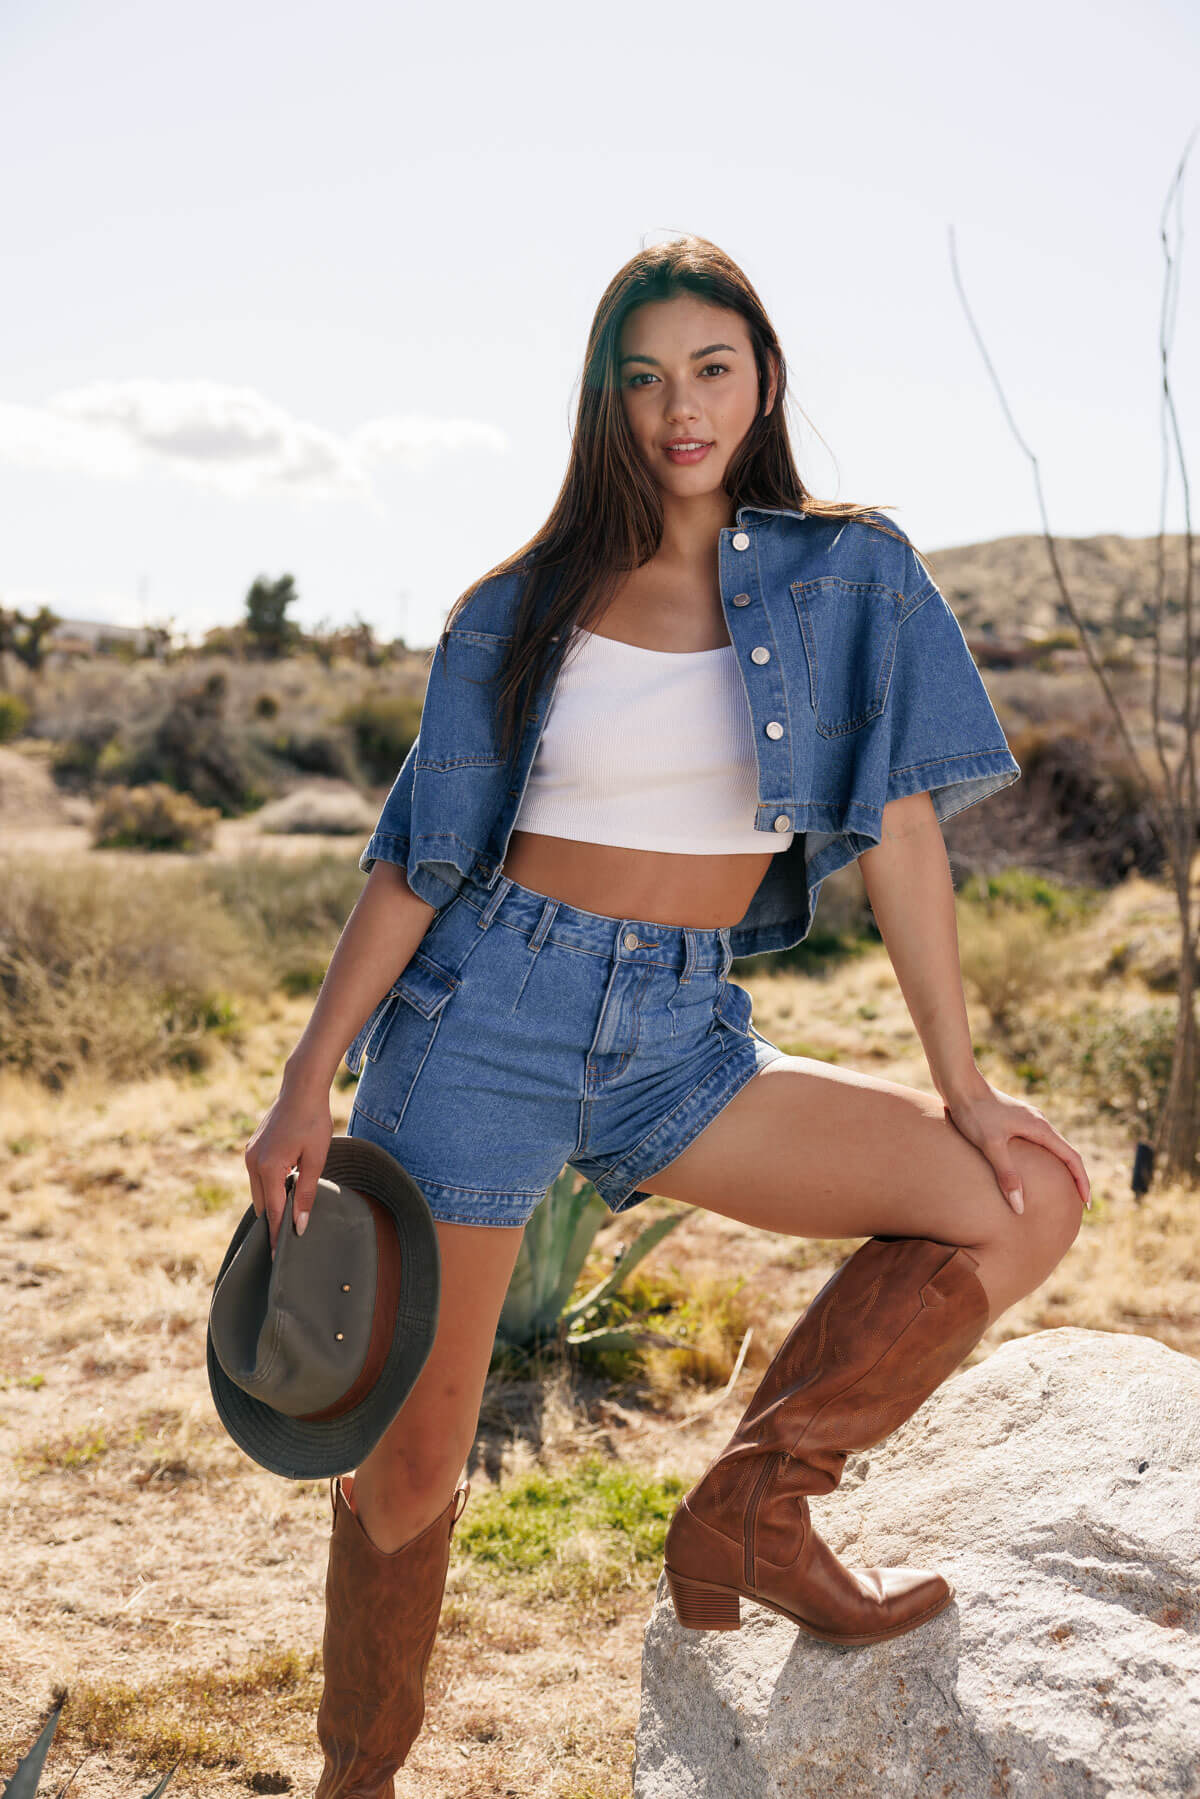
[[425, 986]]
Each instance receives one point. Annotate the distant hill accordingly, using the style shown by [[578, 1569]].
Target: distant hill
[[1006, 586]]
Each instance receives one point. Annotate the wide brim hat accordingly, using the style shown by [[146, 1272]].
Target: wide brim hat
[[312, 1354]]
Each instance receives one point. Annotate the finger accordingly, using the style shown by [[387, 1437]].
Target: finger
[[257, 1196], [310, 1162], [276, 1198], [1045, 1134], [1006, 1175]]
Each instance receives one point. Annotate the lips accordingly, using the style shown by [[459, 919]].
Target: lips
[[687, 449]]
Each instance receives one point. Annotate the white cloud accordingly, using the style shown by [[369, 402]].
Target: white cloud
[[414, 439], [230, 438]]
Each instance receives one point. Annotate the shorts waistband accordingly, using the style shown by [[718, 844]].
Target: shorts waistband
[[686, 948]]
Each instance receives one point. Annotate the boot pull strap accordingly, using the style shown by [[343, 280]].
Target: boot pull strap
[[462, 1491], [333, 1496]]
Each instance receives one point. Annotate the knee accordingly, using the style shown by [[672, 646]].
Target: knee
[[1053, 1208]]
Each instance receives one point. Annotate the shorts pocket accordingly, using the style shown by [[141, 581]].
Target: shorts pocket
[[734, 1007], [400, 1038]]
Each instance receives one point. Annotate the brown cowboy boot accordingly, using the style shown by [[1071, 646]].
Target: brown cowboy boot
[[381, 1618], [884, 1331]]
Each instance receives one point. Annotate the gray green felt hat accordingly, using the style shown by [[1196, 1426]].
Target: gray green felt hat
[[311, 1355]]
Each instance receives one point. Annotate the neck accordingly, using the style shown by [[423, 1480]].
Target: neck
[[690, 526]]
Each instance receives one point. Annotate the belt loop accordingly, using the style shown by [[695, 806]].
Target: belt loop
[[542, 927], [689, 960], [726, 949], [493, 906]]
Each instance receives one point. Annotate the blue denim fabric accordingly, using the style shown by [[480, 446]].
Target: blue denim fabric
[[867, 670], [525, 1033]]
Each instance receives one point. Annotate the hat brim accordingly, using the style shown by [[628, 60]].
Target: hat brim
[[312, 1451]]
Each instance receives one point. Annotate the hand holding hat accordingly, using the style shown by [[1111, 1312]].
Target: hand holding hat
[[311, 1354]]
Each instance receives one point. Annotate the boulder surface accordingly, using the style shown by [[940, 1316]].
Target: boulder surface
[[1056, 1484]]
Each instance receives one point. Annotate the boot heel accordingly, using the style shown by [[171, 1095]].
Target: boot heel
[[699, 1606]]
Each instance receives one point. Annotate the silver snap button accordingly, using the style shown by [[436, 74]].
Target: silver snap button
[[760, 653], [630, 940], [741, 541], [774, 729], [783, 822], [741, 599]]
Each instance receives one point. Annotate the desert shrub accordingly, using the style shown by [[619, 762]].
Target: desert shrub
[[188, 745], [126, 972], [1123, 1059], [314, 752], [1013, 890], [316, 810], [1009, 962], [384, 727], [289, 911], [153, 817], [14, 716]]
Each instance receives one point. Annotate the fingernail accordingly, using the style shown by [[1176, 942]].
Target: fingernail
[[1018, 1199], [302, 1225]]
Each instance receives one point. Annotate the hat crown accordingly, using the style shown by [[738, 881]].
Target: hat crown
[[295, 1332]]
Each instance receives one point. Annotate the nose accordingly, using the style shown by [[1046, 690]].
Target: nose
[[681, 405]]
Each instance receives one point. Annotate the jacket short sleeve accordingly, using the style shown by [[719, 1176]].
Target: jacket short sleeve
[[389, 842], [944, 737]]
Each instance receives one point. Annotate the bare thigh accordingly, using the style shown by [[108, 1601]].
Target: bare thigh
[[815, 1151], [410, 1474]]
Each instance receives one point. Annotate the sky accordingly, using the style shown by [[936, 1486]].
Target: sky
[[305, 288]]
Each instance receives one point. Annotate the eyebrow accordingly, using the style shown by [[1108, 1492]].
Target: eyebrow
[[706, 351]]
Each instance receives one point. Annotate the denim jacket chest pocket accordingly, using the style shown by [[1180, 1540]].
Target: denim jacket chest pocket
[[849, 630]]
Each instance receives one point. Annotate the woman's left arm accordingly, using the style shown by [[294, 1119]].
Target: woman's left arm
[[907, 878]]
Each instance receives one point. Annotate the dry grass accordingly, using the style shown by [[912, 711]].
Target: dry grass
[[175, 1587]]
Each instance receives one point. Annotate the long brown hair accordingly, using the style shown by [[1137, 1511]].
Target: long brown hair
[[607, 519]]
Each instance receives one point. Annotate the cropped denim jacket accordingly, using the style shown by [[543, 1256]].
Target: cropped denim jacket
[[860, 687]]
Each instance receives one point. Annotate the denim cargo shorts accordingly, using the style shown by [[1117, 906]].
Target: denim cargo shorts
[[525, 1034]]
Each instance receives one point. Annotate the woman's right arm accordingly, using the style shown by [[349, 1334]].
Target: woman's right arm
[[375, 946]]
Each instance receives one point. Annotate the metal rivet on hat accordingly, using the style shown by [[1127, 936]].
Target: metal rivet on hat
[[339, 1335], [345, 1286]]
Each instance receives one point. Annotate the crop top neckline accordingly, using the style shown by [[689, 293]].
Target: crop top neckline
[[721, 649]]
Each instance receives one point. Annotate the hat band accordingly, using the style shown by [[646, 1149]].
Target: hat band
[[383, 1322]]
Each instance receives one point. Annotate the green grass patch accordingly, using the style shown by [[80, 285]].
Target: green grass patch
[[65, 1454], [588, 1530], [1021, 890], [200, 1715]]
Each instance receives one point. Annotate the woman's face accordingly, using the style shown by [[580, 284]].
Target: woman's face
[[687, 374]]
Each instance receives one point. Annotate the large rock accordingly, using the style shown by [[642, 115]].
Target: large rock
[[1057, 1485]]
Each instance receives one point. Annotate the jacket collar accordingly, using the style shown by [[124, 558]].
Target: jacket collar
[[768, 512]]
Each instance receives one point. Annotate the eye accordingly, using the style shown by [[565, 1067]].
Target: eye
[[723, 366], [644, 375]]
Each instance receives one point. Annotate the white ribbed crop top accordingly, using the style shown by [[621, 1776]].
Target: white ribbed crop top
[[648, 749]]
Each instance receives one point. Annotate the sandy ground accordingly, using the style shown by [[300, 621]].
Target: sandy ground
[[142, 1547]]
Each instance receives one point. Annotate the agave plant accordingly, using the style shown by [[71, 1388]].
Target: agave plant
[[28, 1772], [537, 1307]]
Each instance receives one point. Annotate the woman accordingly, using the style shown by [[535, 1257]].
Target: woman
[[646, 739]]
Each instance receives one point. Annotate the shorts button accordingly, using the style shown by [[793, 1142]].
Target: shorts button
[[774, 729], [783, 822], [741, 541], [760, 654], [741, 599], [630, 940]]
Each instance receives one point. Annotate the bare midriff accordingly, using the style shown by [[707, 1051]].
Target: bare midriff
[[657, 887]]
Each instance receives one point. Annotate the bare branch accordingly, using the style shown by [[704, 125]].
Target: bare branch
[[1139, 773]]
